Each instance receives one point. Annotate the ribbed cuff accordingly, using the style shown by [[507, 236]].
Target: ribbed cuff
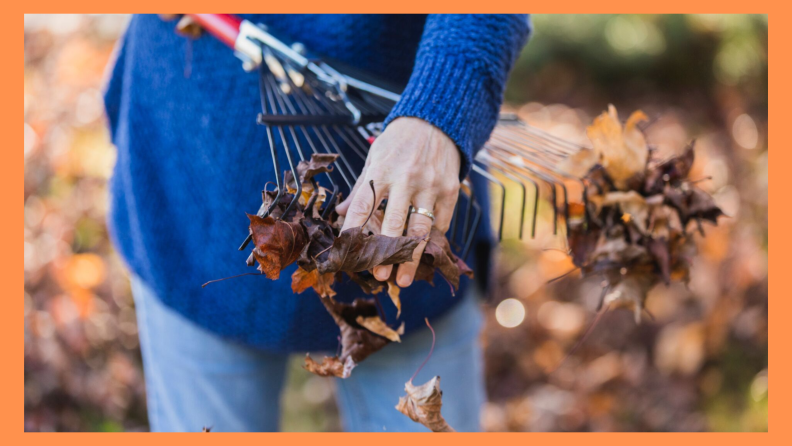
[[455, 95]]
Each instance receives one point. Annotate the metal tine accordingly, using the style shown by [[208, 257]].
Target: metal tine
[[263, 212], [272, 99], [330, 142], [284, 100], [474, 227], [505, 164], [530, 131], [518, 150], [306, 135], [452, 235], [309, 105], [489, 177], [547, 177], [361, 155], [468, 212], [524, 196], [502, 168]]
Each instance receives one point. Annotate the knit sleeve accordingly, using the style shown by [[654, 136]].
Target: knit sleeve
[[459, 76]]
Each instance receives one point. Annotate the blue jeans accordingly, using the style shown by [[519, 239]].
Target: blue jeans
[[195, 378]]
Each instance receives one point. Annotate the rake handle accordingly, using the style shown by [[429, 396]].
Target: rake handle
[[224, 27]]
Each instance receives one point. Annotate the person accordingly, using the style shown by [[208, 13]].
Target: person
[[191, 162]]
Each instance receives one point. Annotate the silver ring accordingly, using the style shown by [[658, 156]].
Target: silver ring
[[422, 211]]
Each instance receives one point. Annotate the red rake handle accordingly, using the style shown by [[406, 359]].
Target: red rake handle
[[225, 27]]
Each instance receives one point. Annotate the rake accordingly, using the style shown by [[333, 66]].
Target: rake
[[312, 106]]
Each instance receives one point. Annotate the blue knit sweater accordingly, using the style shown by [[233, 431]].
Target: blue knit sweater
[[191, 159]]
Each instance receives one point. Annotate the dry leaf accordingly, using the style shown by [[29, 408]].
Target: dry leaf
[[423, 403], [329, 366], [354, 250], [378, 326], [277, 243], [357, 342], [437, 256], [393, 293], [322, 284], [624, 151]]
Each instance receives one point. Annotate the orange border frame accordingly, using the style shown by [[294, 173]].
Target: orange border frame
[[12, 180]]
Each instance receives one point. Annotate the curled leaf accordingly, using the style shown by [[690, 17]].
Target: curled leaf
[[321, 283], [357, 342], [423, 403], [376, 325], [438, 256], [624, 151], [393, 293], [329, 366], [354, 250], [277, 243]]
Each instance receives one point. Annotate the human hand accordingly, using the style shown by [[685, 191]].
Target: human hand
[[411, 163]]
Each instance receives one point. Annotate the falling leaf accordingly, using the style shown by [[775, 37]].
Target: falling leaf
[[630, 292], [393, 293], [423, 403], [671, 171], [376, 325], [357, 342], [329, 366], [624, 151], [277, 243], [580, 163]]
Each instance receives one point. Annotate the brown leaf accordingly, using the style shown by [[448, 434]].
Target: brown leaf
[[624, 150], [355, 251], [319, 163], [320, 239], [631, 291], [322, 284], [672, 170], [438, 256], [368, 283], [582, 241], [581, 162], [357, 342], [277, 243], [376, 325], [302, 280], [393, 293], [329, 366], [423, 403]]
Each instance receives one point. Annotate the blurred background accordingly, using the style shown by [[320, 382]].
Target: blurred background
[[700, 364]]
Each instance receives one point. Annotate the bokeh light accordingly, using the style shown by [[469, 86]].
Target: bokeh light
[[510, 313]]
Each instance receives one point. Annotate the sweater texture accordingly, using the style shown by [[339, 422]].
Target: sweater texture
[[191, 159]]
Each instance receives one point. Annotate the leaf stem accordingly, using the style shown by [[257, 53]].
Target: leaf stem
[[373, 204], [434, 338], [231, 277]]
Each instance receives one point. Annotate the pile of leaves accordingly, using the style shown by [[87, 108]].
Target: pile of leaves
[[634, 226], [294, 230]]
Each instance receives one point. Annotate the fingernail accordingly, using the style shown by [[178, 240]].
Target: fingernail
[[404, 280]]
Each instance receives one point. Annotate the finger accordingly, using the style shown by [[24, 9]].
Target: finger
[[444, 211], [361, 206], [343, 206], [419, 225], [393, 224]]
